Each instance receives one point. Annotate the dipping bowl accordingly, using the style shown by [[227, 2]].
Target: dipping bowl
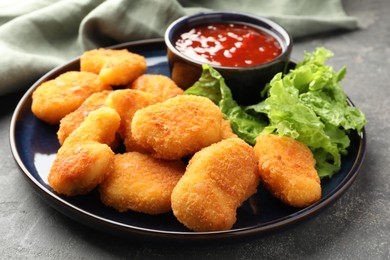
[[245, 82]]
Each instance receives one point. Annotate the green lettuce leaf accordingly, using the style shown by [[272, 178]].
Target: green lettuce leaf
[[307, 104]]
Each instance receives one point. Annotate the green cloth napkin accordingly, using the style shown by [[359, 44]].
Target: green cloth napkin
[[38, 35]]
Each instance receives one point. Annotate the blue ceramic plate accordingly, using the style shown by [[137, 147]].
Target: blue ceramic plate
[[34, 145]]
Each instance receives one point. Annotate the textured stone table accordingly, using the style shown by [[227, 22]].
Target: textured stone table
[[357, 226]]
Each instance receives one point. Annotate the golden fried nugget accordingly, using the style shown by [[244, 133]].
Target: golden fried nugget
[[73, 120], [79, 169], [126, 102], [160, 85], [85, 159], [99, 126], [56, 98], [114, 67], [141, 183], [287, 170], [218, 179], [177, 127]]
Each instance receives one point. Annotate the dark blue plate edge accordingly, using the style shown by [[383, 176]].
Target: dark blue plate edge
[[116, 228]]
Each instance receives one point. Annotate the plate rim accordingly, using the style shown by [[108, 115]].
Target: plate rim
[[76, 213]]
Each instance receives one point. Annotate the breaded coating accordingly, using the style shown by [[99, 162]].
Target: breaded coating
[[177, 127], [85, 159], [287, 170], [227, 131], [56, 98], [114, 67], [99, 126], [73, 120], [218, 179], [79, 169], [141, 183], [126, 102], [159, 85]]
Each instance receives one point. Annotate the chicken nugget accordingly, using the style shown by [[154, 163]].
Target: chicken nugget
[[159, 85], [99, 126], [141, 183], [287, 170], [177, 127], [218, 179], [114, 67], [126, 102], [56, 98], [79, 169], [73, 120], [85, 159]]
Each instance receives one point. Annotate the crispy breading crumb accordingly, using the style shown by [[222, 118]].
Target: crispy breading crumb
[[218, 179], [141, 183], [287, 170], [114, 67]]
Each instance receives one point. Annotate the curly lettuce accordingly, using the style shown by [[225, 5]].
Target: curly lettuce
[[307, 104]]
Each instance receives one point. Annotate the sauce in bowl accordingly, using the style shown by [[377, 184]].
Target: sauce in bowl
[[228, 44]]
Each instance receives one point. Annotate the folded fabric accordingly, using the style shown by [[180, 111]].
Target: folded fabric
[[36, 36]]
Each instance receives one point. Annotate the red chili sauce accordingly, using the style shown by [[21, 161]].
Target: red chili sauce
[[227, 44]]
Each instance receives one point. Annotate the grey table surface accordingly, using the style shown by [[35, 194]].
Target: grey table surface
[[356, 226]]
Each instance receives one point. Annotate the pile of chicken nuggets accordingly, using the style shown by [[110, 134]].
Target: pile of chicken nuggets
[[148, 147]]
